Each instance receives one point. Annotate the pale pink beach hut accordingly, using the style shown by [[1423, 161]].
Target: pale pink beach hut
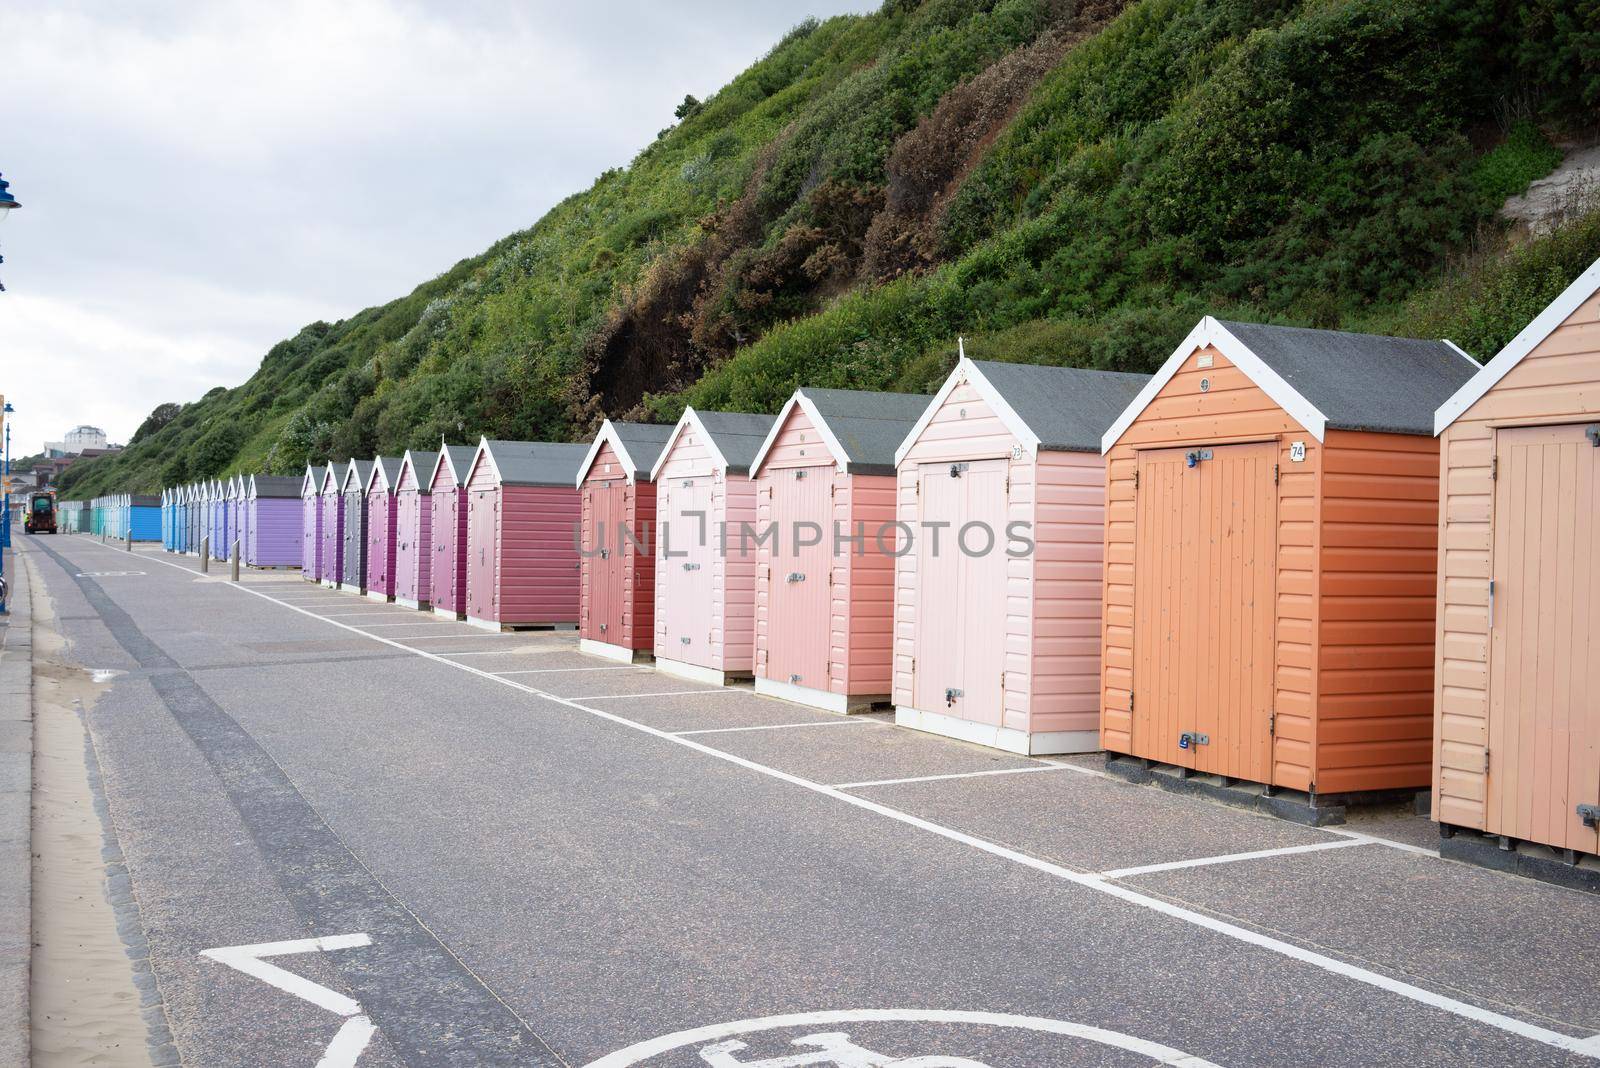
[[382, 481], [413, 530], [447, 501], [998, 589], [705, 570], [825, 496]]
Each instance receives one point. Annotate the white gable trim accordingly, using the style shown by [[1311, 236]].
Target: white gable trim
[[607, 433], [1210, 332], [967, 371], [306, 483], [689, 417], [379, 475], [330, 477], [1463, 353], [1532, 336], [444, 459], [483, 452], [806, 404], [352, 473]]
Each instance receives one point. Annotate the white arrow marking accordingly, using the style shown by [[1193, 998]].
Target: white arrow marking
[[357, 1030]]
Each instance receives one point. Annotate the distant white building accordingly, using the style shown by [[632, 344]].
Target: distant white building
[[77, 439]]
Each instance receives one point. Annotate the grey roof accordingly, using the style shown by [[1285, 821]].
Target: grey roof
[[143, 500], [317, 475], [1361, 381], [390, 466], [870, 426], [1069, 408], [737, 435], [537, 463], [644, 442], [275, 485], [423, 461], [363, 469]]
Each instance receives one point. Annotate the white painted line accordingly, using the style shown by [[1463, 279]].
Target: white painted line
[[469, 634], [1229, 858], [248, 959], [348, 1043], [772, 726], [941, 778], [640, 1052], [498, 652], [554, 671], [663, 693], [1358, 836], [376, 626], [1588, 1047]]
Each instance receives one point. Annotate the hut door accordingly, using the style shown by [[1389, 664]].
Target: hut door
[[1205, 581], [1543, 755], [799, 599], [688, 552], [961, 598], [606, 566], [483, 600]]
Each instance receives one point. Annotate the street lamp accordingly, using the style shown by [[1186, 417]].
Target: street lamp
[[8, 203]]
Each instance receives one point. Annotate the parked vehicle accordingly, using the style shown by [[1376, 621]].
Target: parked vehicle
[[41, 514]]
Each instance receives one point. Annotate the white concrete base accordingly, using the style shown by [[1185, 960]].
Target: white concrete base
[[346, 587], [1043, 743], [696, 673], [814, 698], [327, 584], [482, 624], [379, 596], [446, 613], [606, 651], [420, 606]]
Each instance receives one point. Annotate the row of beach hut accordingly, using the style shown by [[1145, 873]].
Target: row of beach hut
[[1331, 563], [117, 516]]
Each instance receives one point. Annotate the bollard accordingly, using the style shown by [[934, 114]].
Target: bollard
[[205, 555], [128, 543], [234, 569]]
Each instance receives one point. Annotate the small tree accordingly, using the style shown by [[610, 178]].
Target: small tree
[[689, 106]]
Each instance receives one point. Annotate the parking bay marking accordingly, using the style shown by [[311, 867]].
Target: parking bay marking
[[356, 1031], [1588, 1046]]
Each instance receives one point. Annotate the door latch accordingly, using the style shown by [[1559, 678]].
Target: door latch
[[957, 470], [1593, 434], [794, 679], [797, 576], [605, 554], [1191, 739], [684, 640], [950, 696], [691, 567], [1589, 814]]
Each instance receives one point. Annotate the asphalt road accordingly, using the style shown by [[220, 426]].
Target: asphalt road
[[522, 855]]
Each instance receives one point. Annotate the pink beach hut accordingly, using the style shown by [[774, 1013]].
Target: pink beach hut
[[413, 528], [825, 482], [617, 576], [311, 523], [381, 483], [705, 570], [998, 592], [522, 551], [447, 501], [333, 526]]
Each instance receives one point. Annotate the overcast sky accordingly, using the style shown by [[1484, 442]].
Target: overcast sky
[[199, 180]]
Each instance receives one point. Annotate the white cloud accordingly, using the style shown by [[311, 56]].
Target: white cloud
[[200, 180]]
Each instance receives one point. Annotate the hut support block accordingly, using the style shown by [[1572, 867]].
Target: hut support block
[[447, 613], [421, 606], [827, 701], [1046, 743], [1574, 870], [1293, 805], [379, 596], [620, 653], [696, 673], [497, 626]]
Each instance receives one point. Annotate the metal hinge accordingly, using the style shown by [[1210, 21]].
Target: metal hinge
[[1272, 723], [832, 489], [1494, 469], [1274, 474], [1486, 760], [1130, 701], [1008, 485], [1136, 480]]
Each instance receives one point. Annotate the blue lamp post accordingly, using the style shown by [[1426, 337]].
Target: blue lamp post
[[7, 203]]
